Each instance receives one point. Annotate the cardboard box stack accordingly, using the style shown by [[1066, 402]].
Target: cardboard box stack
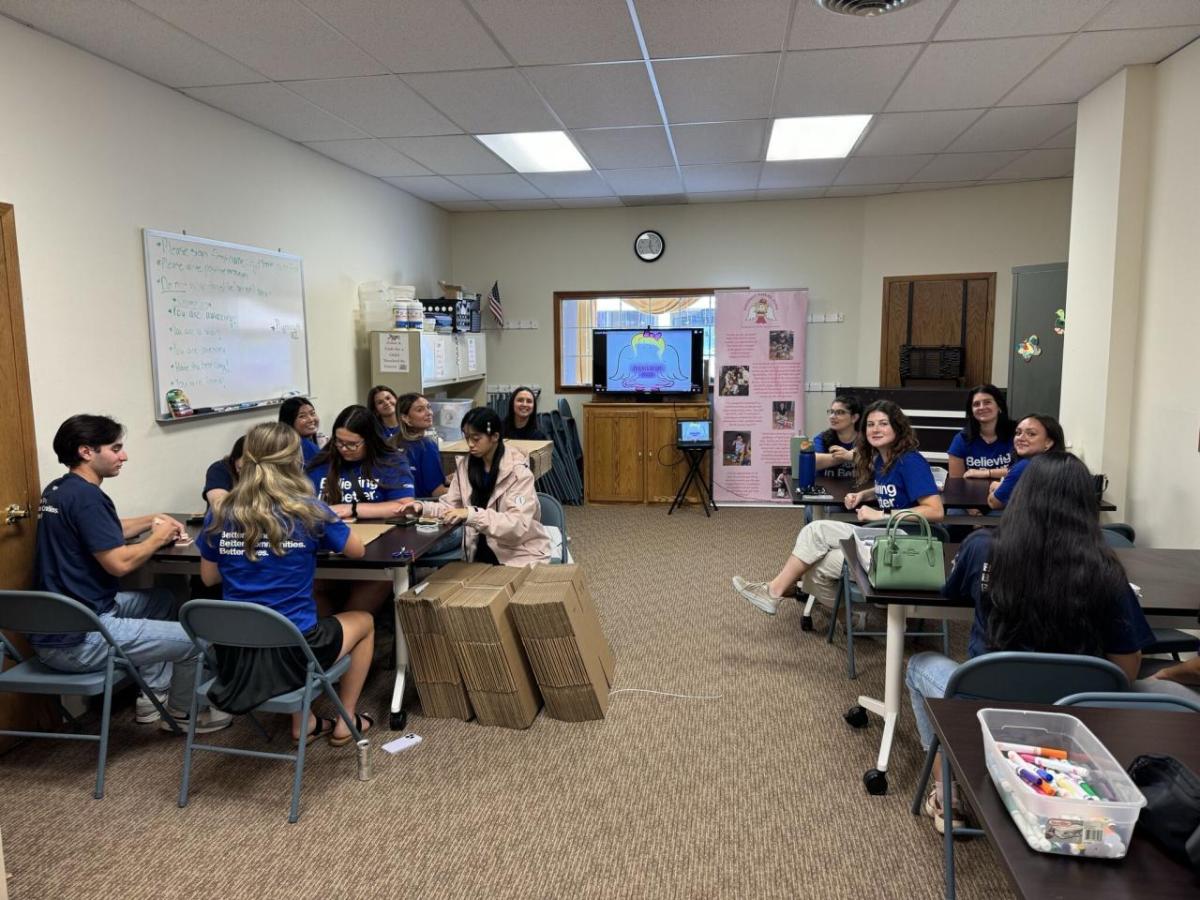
[[490, 657], [561, 632]]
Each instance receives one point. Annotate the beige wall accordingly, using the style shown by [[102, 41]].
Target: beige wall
[[89, 155], [840, 249]]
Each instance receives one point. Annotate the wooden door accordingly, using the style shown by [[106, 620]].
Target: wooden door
[[939, 310], [19, 489], [614, 461], [666, 466]]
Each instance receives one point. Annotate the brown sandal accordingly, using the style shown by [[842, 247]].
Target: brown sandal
[[359, 718]]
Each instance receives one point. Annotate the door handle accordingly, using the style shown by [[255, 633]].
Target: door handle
[[15, 512]]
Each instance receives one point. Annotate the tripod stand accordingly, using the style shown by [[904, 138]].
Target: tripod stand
[[695, 457]]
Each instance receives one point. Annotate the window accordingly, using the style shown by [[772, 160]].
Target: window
[[577, 313]]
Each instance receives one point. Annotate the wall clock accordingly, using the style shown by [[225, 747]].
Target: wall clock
[[649, 246]]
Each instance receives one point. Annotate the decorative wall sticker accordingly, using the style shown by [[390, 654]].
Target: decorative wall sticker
[[1060, 321], [1029, 348]]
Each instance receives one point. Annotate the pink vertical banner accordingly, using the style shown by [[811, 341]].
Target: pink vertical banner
[[758, 396]]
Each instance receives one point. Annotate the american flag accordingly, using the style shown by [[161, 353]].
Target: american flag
[[493, 298]]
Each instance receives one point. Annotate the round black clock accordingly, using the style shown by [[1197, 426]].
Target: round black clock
[[649, 246]]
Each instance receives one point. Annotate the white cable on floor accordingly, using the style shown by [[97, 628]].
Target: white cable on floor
[[667, 694]]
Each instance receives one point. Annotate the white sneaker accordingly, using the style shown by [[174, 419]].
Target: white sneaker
[[208, 721], [145, 712], [758, 593]]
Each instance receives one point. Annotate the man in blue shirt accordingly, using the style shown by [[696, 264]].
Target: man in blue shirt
[[82, 553]]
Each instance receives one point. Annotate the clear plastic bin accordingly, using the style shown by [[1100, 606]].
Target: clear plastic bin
[[1097, 828]]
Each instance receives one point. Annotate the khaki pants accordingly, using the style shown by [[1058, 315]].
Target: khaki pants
[[819, 546]]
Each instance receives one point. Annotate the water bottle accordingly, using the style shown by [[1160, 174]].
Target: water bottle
[[806, 466]]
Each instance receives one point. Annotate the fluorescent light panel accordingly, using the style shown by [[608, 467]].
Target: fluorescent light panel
[[815, 137], [536, 151]]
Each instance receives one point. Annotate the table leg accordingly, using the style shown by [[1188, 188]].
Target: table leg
[[400, 583], [889, 708]]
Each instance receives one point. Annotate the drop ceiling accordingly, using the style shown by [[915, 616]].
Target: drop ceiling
[[670, 101]]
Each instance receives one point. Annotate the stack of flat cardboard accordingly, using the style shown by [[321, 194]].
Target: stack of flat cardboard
[[560, 629], [489, 653]]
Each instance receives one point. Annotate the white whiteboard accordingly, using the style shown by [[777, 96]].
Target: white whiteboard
[[226, 325]]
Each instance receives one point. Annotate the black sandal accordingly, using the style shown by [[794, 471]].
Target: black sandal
[[323, 726], [359, 718]]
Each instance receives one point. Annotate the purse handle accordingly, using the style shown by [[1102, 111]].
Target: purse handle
[[896, 518]]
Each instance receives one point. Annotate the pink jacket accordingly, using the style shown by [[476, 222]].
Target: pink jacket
[[511, 519]]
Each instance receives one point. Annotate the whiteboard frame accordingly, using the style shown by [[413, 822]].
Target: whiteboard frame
[[147, 234]]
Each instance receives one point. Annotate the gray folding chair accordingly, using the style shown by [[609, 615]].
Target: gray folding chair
[[41, 612], [1132, 700], [250, 625], [553, 514], [1016, 677], [1166, 640]]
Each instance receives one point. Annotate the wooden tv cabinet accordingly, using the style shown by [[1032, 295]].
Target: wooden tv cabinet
[[630, 454]]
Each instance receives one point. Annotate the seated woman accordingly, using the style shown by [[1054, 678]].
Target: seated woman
[[260, 540], [1035, 435], [301, 415], [223, 474], [416, 418], [835, 445], [886, 451], [493, 494], [521, 422], [984, 449], [381, 401], [358, 474], [1042, 581]]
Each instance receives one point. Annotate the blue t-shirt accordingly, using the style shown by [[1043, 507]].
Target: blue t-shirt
[[841, 470], [283, 583], [1004, 489], [979, 454], [426, 462], [389, 479], [75, 521], [309, 448], [907, 482], [1126, 633], [218, 477], [388, 431]]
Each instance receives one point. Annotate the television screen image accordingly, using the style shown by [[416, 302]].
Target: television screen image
[[695, 434], [648, 361]]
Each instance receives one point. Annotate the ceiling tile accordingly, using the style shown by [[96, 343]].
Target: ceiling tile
[[970, 74], [679, 28], [370, 156], [466, 205], [454, 154], [722, 142], [814, 28], [974, 19], [587, 202], [790, 193], [723, 197], [431, 187], [277, 109], [544, 32], [1015, 128], [800, 174], [625, 148], [282, 39], [824, 82], [1039, 164], [381, 105], [881, 169], [532, 203], [414, 35], [1140, 14], [483, 102], [932, 186], [599, 96], [131, 37], [718, 89], [498, 187], [860, 190], [569, 184], [964, 166], [728, 177], [655, 200], [1091, 58], [1065, 138], [893, 134], [638, 182]]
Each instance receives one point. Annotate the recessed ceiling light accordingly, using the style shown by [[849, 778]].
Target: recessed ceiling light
[[536, 151], [815, 137]]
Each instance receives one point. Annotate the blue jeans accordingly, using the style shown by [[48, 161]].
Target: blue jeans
[[927, 675], [162, 651]]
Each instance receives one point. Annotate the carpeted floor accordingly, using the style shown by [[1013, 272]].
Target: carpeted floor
[[754, 793]]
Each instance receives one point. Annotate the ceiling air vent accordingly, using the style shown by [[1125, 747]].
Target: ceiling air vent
[[865, 7]]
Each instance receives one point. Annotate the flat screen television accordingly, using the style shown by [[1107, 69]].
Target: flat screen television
[[652, 362]]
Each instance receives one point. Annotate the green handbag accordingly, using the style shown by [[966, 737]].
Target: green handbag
[[907, 562]]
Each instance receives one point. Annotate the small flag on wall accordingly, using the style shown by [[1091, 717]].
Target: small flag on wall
[[493, 298]]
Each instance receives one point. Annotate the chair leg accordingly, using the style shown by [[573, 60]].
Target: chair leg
[[105, 719], [266, 736], [833, 616], [193, 715], [342, 711], [948, 823], [305, 706], [923, 782], [852, 672], [945, 637]]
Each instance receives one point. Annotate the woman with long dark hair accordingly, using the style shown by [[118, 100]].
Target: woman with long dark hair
[[1042, 581], [493, 495], [1035, 435], [984, 448], [381, 403], [223, 474], [414, 415], [835, 445], [358, 474], [886, 453], [260, 541], [521, 421], [299, 413]]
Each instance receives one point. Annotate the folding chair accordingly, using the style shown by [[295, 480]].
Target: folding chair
[[1166, 640], [1013, 677], [1132, 700], [553, 514], [41, 612], [232, 624]]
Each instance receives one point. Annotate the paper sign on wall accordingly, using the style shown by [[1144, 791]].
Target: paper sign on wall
[[439, 359], [471, 354], [393, 352]]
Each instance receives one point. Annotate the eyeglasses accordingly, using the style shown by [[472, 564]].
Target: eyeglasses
[[833, 413], [348, 445]]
